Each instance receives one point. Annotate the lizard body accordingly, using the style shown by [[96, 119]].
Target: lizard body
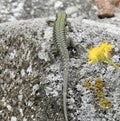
[[60, 40]]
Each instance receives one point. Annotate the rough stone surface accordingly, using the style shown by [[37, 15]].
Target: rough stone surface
[[31, 86], [31, 82], [12, 10]]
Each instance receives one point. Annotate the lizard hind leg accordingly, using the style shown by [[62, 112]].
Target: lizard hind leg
[[73, 49], [53, 54]]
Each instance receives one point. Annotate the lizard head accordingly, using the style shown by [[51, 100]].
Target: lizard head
[[62, 15]]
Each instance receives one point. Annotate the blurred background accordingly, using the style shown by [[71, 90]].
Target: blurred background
[[11, 10]]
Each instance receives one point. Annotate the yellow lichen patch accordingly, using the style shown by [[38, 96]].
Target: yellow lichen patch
[[100, 93], [100, 53], [98, 84], [87, 84], [104, 103]]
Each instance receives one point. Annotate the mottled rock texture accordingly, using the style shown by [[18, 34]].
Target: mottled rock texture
[[31, 84]]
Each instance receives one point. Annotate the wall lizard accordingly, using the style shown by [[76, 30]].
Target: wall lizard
[[60, 40]]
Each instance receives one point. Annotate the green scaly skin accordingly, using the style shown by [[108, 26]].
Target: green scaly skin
[[60, 40]]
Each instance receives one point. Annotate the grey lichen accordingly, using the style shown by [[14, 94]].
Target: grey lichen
[[31, 85]]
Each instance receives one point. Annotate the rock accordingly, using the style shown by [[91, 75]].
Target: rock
[[29, 75]]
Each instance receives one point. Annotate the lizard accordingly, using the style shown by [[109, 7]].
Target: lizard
[[60, 40]]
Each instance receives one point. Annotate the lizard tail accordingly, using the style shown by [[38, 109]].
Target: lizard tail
[[65, 77]]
